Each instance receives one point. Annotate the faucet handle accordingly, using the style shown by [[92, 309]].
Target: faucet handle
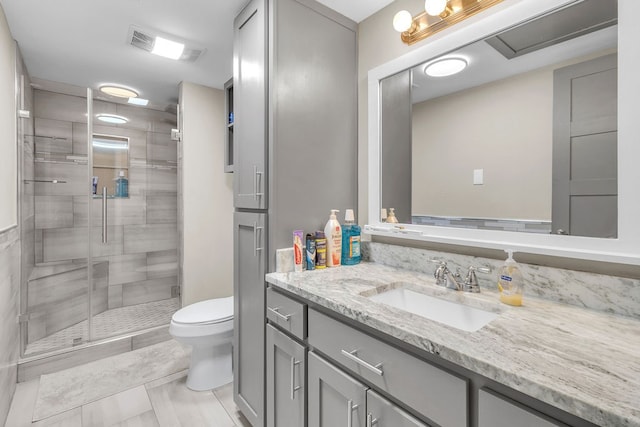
[[471, 281], [440, 273]]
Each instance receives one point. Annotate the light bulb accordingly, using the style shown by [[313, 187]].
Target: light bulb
[[435, 7], [402, 21]]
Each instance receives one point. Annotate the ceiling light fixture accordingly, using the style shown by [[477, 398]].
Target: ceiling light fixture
[[112, 118], [167, 48], [138, 101], [445, 67], [118, 91], [438, 15], [110, 145]]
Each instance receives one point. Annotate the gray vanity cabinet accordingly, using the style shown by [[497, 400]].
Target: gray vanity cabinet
[[496, 411], [436, 394], [286, 369], [335, 398], [382, 413], [249, 314]]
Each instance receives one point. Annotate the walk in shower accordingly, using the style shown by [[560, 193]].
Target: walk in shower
[[99, 218]]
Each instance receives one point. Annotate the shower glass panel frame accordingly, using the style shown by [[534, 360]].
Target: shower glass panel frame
[[105, 267]]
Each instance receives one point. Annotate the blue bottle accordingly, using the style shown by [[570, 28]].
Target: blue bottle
[[350, 240], [122, 186]]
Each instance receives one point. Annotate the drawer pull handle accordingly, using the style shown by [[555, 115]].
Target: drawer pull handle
[[352, 356], [294, 388], [350, 408], [370, 420], [276, 311]]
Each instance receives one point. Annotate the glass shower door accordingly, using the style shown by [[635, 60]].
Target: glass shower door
[[133, 164], [56, 271]]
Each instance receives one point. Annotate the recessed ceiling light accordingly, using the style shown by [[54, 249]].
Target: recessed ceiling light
[[138, 101], [112, 118], [119, 91], [109, 145], [445, 67], [167, 48]]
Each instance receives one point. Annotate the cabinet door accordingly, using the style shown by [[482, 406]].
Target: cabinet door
[[249, 92], [286, 369], [248, 320], [335, 398], [494, 411], [382, 413]]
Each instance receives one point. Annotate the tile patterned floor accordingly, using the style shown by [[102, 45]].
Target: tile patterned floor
[[110, 323], [162, 402]]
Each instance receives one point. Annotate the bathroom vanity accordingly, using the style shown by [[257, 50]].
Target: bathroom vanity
[[365, 363]]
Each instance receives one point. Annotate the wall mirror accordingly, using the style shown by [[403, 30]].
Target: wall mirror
[[524, 143]]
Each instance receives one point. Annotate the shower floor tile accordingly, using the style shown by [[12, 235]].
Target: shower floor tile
[[108, 324]]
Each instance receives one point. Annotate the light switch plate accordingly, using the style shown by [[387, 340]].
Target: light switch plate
[[478, 176]]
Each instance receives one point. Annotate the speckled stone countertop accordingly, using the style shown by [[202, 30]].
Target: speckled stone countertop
[[582, 361]]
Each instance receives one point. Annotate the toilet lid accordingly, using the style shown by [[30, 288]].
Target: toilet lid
[[206, 312]]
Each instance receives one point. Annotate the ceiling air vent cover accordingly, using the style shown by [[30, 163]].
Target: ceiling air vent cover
[[574, 21], [144, 39]]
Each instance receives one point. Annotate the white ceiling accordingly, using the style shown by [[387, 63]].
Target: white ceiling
[[84, 42]]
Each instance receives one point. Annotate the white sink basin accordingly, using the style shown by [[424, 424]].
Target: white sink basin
[[450, 313]]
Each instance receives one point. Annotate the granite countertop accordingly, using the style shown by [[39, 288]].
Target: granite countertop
[[582, 361]]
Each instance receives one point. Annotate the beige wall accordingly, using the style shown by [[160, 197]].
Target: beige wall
[[503, 127], [8, 157], [207, 196]]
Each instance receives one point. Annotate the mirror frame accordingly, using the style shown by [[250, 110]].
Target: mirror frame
[[626, 248]]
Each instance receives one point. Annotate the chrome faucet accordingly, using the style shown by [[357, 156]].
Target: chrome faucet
[[445, 277]]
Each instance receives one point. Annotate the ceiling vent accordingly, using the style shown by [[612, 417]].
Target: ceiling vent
[[559, 26], [144, 39]]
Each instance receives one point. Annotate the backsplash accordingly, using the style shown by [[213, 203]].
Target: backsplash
[[615, 295]]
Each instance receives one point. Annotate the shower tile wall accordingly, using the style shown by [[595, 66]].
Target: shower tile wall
[[140, 259]]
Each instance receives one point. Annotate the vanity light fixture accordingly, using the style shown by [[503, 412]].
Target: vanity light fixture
[[435, 7], [445, 67], [118, 91], [167, 48], [438, 15], [112, 118], [138, 101]]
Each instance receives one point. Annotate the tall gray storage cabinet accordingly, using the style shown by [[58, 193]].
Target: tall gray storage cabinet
[[295, 136]]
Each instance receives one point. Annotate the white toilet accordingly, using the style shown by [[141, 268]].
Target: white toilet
[[207, 326]]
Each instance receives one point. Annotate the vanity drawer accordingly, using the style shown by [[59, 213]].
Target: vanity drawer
[[287, 313], [429, 390]]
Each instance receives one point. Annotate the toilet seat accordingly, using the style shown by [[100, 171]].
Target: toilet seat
[[205, 312], [204, 318]]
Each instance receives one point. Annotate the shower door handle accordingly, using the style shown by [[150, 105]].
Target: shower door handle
[[104, 214]]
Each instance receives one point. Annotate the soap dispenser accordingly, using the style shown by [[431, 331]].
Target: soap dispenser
[[333, 233], [510, 282], [391, 217]]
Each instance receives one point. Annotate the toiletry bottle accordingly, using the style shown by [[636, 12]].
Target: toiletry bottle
[[122, 186], [510, 281], [391, 217], [333, 232], [297, 250], [321, 250], [310, 244], [350, 240]]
